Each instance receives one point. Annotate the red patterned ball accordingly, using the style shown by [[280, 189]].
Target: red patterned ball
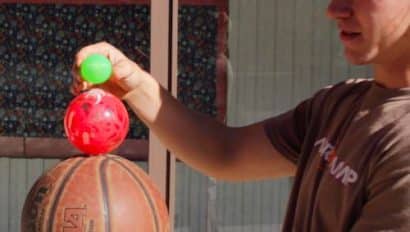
[[96, 122]]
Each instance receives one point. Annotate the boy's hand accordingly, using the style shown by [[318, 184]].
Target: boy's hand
[[126, 74]]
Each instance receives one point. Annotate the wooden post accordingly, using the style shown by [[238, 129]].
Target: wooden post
[[161, 167]]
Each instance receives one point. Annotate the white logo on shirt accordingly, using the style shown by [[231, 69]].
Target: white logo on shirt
[[338, 168]]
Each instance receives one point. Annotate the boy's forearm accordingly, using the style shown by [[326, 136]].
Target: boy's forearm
[[195, 138]]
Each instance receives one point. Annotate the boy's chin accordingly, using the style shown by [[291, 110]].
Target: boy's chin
[[358, 58]]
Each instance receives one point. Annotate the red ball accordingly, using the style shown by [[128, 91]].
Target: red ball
[[96, 122]]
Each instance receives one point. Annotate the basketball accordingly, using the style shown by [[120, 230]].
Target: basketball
[[94, 194]]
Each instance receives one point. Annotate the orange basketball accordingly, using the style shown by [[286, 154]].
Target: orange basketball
[[94, 194]]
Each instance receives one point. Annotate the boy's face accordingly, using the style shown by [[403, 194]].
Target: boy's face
[[373, 31]]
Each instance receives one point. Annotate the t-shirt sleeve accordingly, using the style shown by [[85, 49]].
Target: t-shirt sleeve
[[387, 207], [287, 132], [290, 131]]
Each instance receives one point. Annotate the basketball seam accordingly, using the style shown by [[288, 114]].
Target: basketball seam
[[103, 179], [59, 192], [145, 191]]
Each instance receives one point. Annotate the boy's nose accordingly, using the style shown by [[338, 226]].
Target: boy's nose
[[339, 9]]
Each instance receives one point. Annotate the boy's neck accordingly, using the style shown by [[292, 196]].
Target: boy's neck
[[394, 76]]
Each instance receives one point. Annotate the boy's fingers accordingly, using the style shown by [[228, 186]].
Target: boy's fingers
[[78, 83], [85, 52], [102, 48]]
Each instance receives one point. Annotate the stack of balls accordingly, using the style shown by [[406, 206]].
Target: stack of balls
[[97, 191]]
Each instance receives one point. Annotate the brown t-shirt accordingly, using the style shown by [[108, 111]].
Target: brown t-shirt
[[351, 143]]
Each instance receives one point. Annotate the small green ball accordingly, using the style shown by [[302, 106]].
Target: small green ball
[[96, 69]]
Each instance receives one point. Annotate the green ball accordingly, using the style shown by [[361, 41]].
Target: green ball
[[96, 69]]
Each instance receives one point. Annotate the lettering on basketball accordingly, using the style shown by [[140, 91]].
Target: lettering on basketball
[[74, 219], [91, 226]]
